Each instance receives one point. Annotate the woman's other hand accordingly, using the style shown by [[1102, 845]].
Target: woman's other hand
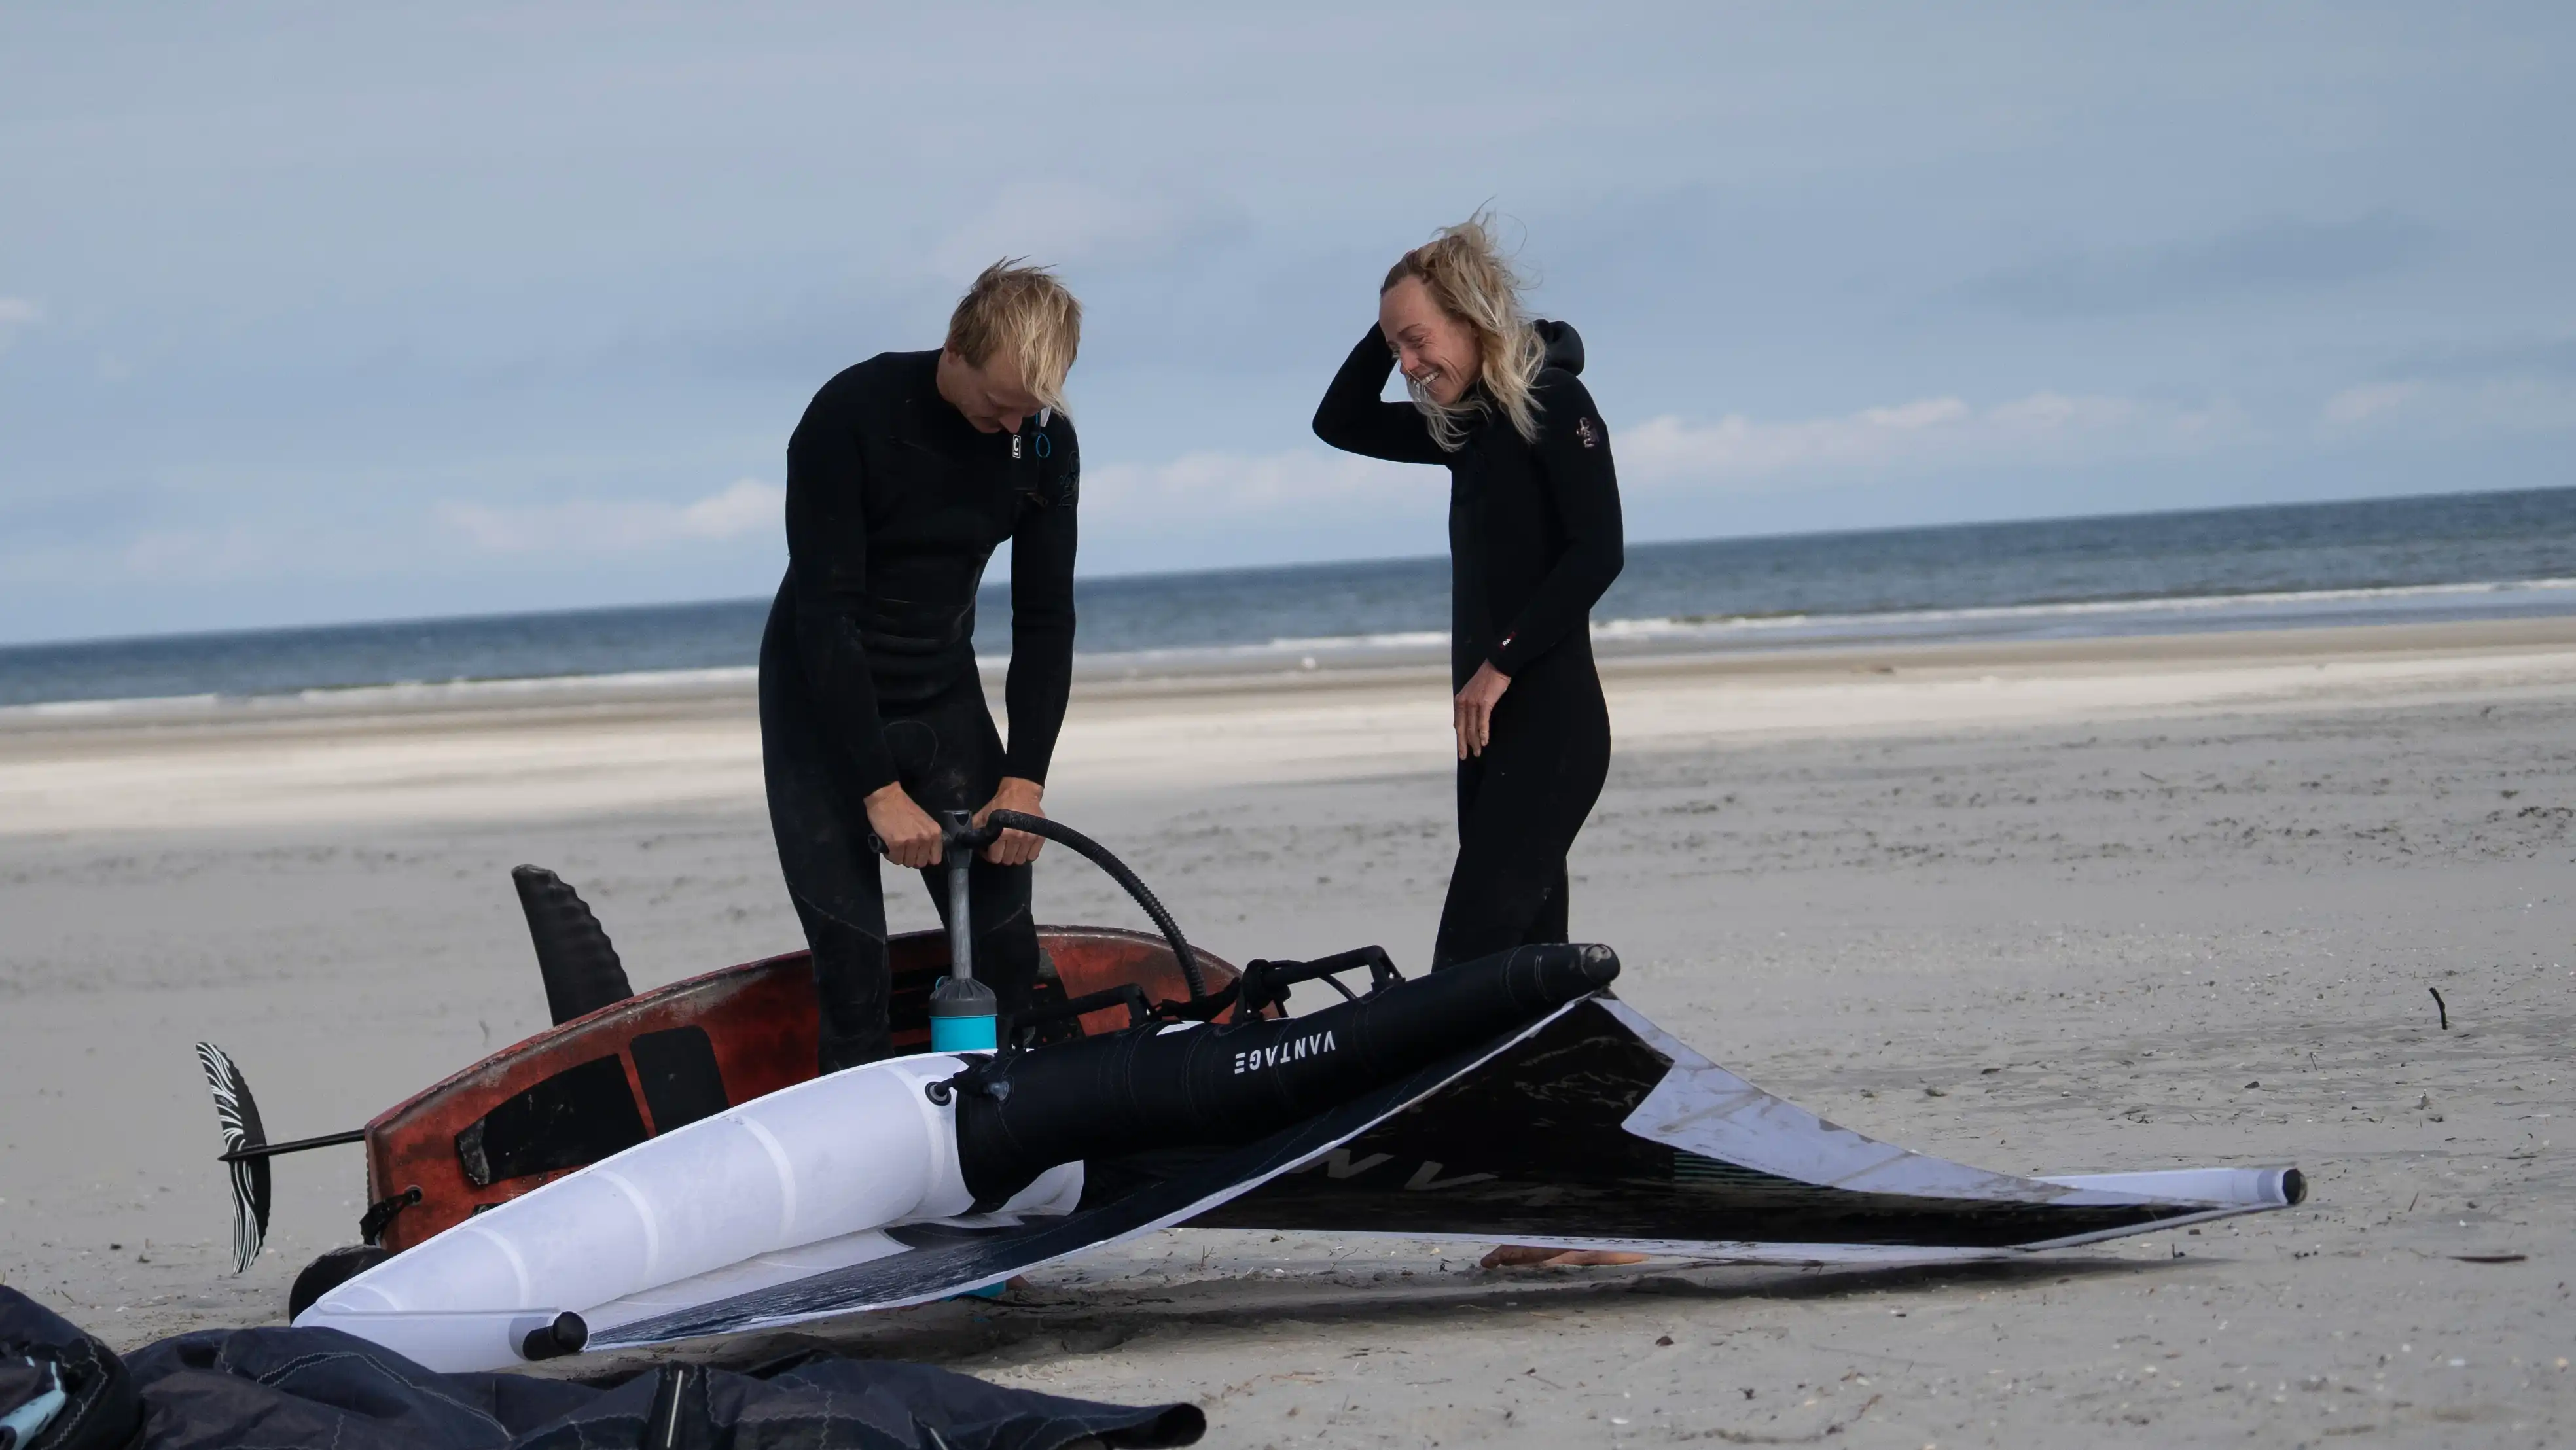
[[1475, 709], [911, 837], [1014, 848]]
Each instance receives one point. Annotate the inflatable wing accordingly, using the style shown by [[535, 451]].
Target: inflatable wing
[[1591, 1128], [1505, 1099]]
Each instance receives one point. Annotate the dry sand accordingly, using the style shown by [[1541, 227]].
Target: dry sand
[[2048, 908]]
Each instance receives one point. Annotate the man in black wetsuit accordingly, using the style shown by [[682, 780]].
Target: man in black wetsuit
[[905, 473]]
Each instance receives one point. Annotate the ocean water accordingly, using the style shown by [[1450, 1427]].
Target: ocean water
[[2455, 556]]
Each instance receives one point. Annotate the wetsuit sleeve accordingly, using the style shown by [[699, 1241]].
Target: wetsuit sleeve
[[1041, 677], [1354, 419], [827, 562], [1583, 487]]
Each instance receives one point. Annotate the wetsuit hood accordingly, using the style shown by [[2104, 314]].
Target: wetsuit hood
[[1564, 345]]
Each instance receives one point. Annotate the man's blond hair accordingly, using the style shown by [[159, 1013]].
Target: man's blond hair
[[1025, 312]]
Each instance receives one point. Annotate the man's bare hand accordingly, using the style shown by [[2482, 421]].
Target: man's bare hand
[[1014, 848], [1475, 709], [911, 837]]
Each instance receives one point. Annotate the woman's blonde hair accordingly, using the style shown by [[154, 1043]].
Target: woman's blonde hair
[[1028, 313], [1471, 280]]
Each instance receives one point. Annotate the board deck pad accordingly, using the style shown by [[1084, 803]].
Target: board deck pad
[[1590, 1128], [575, 1117], [677, 1069]]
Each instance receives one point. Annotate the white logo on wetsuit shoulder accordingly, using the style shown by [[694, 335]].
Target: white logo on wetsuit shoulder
[[1293, 1050]]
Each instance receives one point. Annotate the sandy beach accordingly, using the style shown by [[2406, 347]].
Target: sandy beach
[[2059, 907]]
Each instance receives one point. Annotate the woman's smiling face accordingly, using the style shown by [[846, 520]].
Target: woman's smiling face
[[1436, 352]]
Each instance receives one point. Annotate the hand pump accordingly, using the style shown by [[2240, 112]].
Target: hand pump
[[961, 1008]]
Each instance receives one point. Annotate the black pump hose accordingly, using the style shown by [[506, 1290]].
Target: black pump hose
[[1099, 856]]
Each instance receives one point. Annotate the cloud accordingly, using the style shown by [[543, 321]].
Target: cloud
[[1669, 451], [1672, 452], [17, 313], [2522, 357], [617, 526], [1215, 509], [1214, 485], [229, 552], [2270, 256], [2508, 385], [1058, 223], [2371, 400], [1315, 503], [2454, 407], [744, 506], [187, 554]]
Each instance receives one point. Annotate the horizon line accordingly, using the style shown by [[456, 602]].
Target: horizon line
[[385, 621]]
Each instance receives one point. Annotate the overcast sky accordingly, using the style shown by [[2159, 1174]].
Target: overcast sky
[[312, 314]]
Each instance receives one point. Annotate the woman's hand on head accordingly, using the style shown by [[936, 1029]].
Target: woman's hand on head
[[1474, 713]]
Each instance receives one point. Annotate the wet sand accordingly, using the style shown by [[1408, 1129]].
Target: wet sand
[[2083, 906]]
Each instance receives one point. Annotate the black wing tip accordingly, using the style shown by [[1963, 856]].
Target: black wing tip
[[236, 1111], [237, 1118]]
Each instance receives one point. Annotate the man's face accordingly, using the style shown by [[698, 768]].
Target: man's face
[[993, 397]]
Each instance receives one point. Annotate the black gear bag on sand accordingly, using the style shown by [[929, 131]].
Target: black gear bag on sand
[[283, 1389]]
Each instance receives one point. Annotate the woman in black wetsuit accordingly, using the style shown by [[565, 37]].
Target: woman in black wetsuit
[[1534, 539]]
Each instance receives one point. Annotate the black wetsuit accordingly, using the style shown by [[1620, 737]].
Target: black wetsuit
[[1534, 539], [867, 670]]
